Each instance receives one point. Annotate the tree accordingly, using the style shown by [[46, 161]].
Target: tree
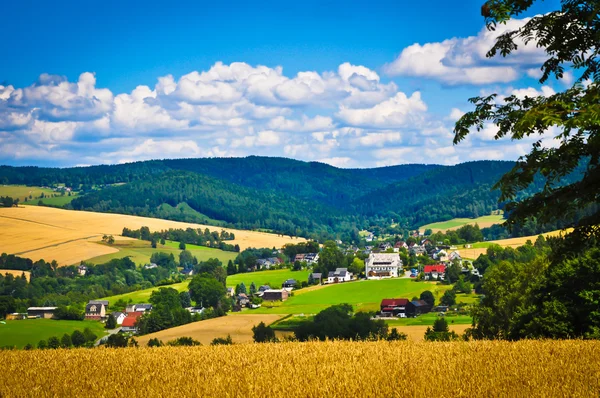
[[186, 259], [395, 335], [185, 299], [231, 270], [111, 322], [183, 341], [110, 240], [42, 345], [181, 246], [222, 340], [357, 266], [449, 298], [78, 338], [262, 333], [569, 37], [155, 343], [462, 286], [153, 244], [53, 342], [252, 288], [28, 347], [240, 288], [440, 331], [65, 341], [89, 335], [330, 258], [453, 272], [116, 340], [207, 291], [163, 241], [428, 297]]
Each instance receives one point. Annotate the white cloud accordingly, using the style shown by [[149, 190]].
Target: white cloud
[[463, 60], [395, 112]]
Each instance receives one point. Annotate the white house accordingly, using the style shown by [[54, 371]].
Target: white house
[[383, 265], [454, 256], [339, 275], [119, 317]]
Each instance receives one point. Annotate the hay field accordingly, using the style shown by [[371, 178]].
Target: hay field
[[315, 369], [511, 242], [238, 326], [68, 236], [455, 223], [15, 272]]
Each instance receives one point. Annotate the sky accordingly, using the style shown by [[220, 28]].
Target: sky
[[351, 84]]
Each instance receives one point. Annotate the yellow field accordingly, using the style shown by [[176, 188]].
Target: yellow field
[[512, 242], [238, 326], [417, 332], [15, 272], [316, 369], [68, 236]]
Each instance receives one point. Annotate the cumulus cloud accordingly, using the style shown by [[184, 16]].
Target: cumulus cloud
[[397, 111], [463, 60]]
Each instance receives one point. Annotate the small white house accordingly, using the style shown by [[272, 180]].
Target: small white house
[[339, 275], [119, 317]]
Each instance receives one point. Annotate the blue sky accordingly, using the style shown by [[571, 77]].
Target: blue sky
[[354, 84]]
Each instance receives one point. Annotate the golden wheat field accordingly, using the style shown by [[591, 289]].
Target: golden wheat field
[[16, 272], [316, 369], [512, 242], [238, 326], [69, 236]]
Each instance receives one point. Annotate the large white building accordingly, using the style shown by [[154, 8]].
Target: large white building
[[383, 265]]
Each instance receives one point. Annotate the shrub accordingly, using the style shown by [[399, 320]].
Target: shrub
[[222, 341]]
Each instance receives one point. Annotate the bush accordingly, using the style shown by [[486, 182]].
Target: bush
[[222, 341], [69, 313], [263, 333], [65, 341], [155, 343], [395, 335], [78, 338], [42, 345], [28, 347], [116, 340], [449, 298], [53, 342], [183, 341]]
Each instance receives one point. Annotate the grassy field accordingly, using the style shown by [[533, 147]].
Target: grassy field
[[316, 369], [238, 326], [15, 272], [272, 278], [69, 236], [53, 201], [483, 222], [20, 333], [428, 319], [22, 192], [142, 296], [140, 251], [363, 295]]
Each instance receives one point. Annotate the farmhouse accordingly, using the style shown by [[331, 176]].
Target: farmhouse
[[339, 275], [311, 258], [382, 265], [41, 312], [275, 295], [95, 312], [315, 278], [289, 283], [81, 270], [103, 302], [130, 321], [119, 317], [417, 307], [393, 307], [138, 308], [434, 271], [263, 288]]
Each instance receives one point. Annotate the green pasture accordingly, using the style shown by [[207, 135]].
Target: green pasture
[[31, 331]]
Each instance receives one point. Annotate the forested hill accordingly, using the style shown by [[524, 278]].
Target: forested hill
[[304, 198]]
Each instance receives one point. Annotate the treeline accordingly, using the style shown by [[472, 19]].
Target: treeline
[[193, 236], [63, 287], [7, 201], [546, 289]]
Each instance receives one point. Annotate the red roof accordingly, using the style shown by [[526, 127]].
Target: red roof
[[394, 302], [435, 268], [131, 319]]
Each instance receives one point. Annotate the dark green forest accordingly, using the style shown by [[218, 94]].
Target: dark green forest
[[286, 196]]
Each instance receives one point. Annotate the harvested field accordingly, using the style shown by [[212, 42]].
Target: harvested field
[[68, 236], [417, 333], [455, 223], [15, 272], [315, 369], [238, 326]]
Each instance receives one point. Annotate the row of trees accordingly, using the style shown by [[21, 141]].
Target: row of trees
[[192, 236], [7, 201]]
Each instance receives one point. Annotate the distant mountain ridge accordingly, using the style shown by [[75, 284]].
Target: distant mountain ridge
[[310, 199]]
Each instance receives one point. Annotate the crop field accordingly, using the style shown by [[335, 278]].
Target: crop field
[[481, 247], [363, 295], [142, 296], [483, 222], [70, 236], [238, 326], [139, 251], [19, 333], [15, 272], [272, 278], [332, 369]]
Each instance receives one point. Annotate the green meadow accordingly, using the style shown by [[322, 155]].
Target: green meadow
[[272, 278], [31, 331]]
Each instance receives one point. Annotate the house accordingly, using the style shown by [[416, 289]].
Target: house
[[384, 246], [130, 322], [339, 275], [370, 237], [103, 302], [289, 283], [434, 271], [187, 271], [393, 307], [400, 245], [142, 307], [311, 258], [242, 299], [383, 265], [299, 257], [15, 316], [230, 291], [417, 250], [95, 312], [195, 310], [426, 242], [417, 307], [440, 255], [41, 312], [81, 270], [119, 317], [264, 288], [275, 295], [468, 246], [315, 278], [454, 256], [150, 266]]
